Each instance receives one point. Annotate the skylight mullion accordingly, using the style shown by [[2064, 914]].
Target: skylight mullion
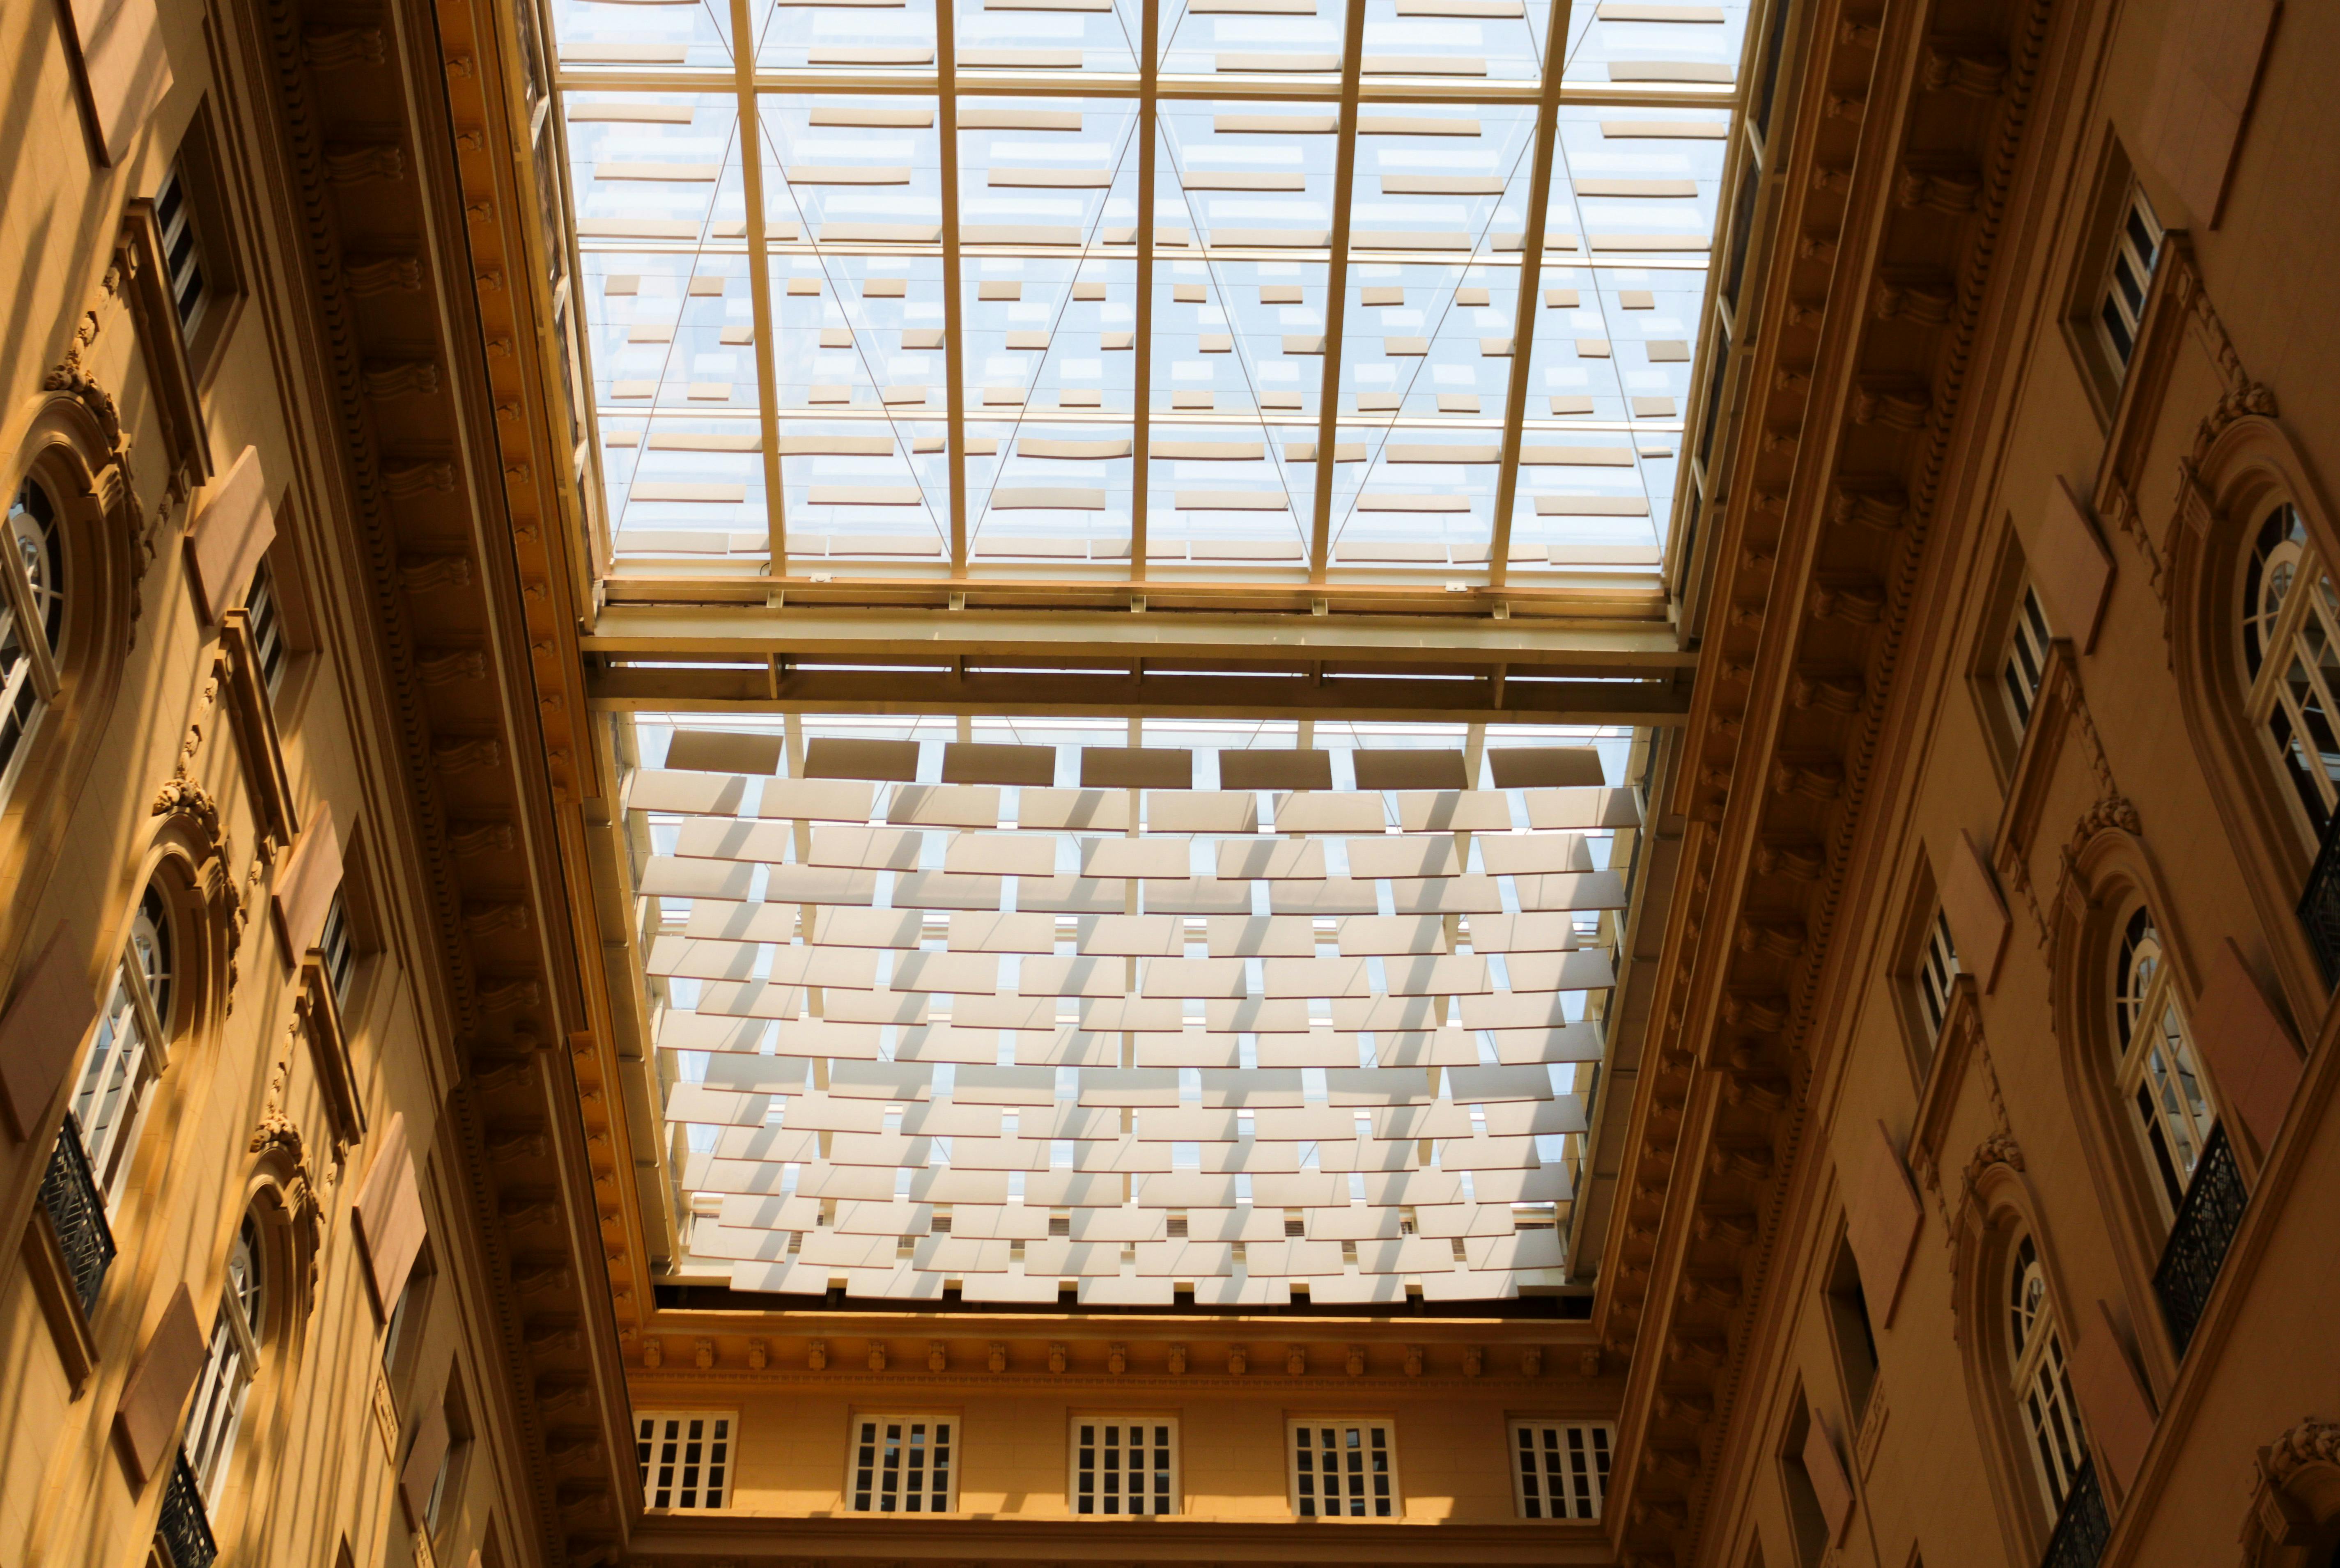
[[1336, 289], [1149, 64], [953, 312], [759, 282], [1507, 473]]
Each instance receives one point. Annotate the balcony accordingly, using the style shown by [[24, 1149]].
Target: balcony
[[76, 1213], [2082, 1528], [184, 1531], [2319, 905], [2198, 1241]]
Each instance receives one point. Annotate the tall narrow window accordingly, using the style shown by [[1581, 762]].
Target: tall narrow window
[[1125, 1467], [2043, 1388], [902, 1465], [32, 621], [2160, 1078], [1343, 1470], [1559, 1471], [1856, 1340], [2025, 663], [229, 1369], [2128, 274], [109, 1106], [1938, 965], [685, 1458], [267, 624], [339, 954], [182, 249], [2291, 654]]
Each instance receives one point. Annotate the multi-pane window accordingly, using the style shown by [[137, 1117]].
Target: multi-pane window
[[2025, 663], [339, 953], [2128, 274], [228, 1370], [31, 620], [109, 1104], [2160, 1077], [902, 1463], [685, 1458], [1559, 1471], [1938, 965], [1123, 1466], [2291, 654], [1343, 1470], [182, 249], [267, 624], [2043, 1386]]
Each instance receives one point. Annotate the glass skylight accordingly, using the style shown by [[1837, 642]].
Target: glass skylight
[[773, 254], [1001, 1009]]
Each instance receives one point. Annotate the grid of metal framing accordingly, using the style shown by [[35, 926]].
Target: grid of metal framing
[[1005, 1010], [844, 322]]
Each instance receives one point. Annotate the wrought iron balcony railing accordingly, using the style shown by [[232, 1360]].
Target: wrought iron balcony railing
[[2198, 1241], [2083, 1527], [186, 1528], [76, 1212], [2319, 904]]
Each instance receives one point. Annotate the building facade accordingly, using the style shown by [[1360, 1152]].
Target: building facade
[[542, 1029]]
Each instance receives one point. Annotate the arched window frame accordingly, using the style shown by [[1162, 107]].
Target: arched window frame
[[34, 620], [2289, 649], [239, 1331], [2040, 1379], [130, 1047], [2166, 1098]]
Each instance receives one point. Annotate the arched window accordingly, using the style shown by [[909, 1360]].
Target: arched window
[[2291, 654], [234, 1357], [2160, 1079], [32, 622], [2042, 1386], [109, 1106]]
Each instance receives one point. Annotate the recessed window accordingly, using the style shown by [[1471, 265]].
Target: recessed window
[[228, 1369], [1124, 1466], [339, 952], [2291, 654], [2129, 276], [31, 620], [1559, 1470], [1938, 965], [182, 249], [266, 619], [1855, 1339], [2043, 1387], [685, 1458], [1343, 1470], [2025, 663], [2160, 1078], [109, 1106], [902, 1465]]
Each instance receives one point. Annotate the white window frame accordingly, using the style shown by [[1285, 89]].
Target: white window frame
[[1938, 969], [1097, 1470], [339, 950], [264, 614], [2129, 263], [2160, 1077], [2023, 658], [1572, 1456], [29, 652], [680, 1479], [1357, 1497], [127, 1052], [2044, 1400], [217, 1414], [921, 1432], [177, 224], [2291, 652]]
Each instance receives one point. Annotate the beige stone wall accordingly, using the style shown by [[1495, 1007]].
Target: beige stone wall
[[2145, 716], [313, 1470]]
